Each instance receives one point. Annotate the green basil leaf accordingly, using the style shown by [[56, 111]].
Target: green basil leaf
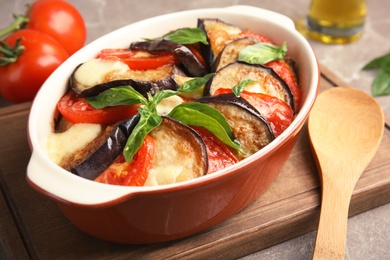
[[188, 86], [262, 53], [147, 122], [239, 88], [377, 62], [156, 99], [381, 83], [186, 36], [125, 95], [194, 83], [198, 114]]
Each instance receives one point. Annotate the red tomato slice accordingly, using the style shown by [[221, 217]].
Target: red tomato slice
[[277, 112], [140, 59], [259, 37], [132, 173], [77, 110], [219, 155], [284, 71]]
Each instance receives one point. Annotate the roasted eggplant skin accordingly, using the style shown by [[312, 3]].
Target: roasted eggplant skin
[[231, 75], [250, 128], [103, 156], [230, 52], [220, 34], [142, 86], [192, 65], [179, 146]]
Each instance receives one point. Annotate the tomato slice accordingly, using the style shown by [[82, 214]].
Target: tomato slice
[[132, 173], [77, 110], [259, 37], [277, 112], [140, 59], [219, 155], [285, 72]]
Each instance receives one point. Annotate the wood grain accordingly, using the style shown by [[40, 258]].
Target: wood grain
[[289, 208], [345, 128]]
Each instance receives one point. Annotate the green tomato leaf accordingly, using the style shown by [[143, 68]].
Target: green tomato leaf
[[262, 53], [125, 95], [147, 122], [199, 114], [186, 36]]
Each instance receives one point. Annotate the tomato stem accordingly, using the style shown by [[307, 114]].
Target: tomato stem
[[10, 54], [17, 24]]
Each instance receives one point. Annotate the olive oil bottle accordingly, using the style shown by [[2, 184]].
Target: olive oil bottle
[[335, 21]]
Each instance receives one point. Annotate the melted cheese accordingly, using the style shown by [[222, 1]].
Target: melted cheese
[[167, 104], [96, 71], [76, 137], [163, 175]]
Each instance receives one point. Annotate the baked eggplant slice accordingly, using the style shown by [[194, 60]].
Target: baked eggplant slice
[[249, 127], [97, 75], [190, 62], [229, 53], [93, 159], [266, 81], [180, 153], [218, 34]]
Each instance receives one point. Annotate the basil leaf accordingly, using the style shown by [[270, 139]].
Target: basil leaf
[[125, 95], [377, 62], [188, 86], [195, 83], [199, 114], [262, 53], [239, 88], [147, 122], [381, 83], [186, 36], [156, 99]]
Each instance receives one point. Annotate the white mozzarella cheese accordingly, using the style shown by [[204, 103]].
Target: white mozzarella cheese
[[96, 71], [76, 137], [167, 104]]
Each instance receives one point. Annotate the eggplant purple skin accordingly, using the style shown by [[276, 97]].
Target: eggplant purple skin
[[290, 102], [103, 157], [238, 101], [198, 139], [205, 50], [191, 64], [142, 87]]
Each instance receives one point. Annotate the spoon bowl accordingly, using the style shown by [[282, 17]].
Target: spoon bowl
[[345, 129]]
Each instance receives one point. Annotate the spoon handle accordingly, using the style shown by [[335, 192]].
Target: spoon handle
[[332, 230]]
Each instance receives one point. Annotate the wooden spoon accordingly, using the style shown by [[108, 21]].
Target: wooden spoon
[[345, 129]]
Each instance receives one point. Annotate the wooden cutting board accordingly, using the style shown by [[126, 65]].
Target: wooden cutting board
[[31, 226]]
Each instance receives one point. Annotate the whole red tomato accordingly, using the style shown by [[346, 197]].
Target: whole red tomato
[[59, 19], [21, 80]]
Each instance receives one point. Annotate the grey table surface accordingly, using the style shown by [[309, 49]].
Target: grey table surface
[[368, 233]]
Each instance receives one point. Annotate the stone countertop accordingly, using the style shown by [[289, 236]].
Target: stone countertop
[[368, 233]]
